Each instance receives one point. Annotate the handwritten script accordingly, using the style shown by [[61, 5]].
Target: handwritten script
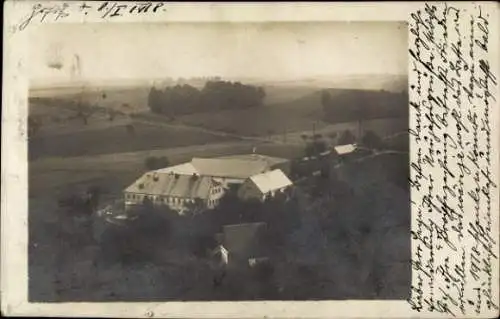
[[453, 173], [104, 10]]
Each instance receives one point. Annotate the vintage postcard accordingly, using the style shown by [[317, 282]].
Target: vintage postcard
[[250, 160]]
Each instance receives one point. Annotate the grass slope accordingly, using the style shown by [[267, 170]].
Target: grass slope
[[117, 139]]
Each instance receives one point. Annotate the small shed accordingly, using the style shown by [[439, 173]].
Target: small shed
[[245, 241]]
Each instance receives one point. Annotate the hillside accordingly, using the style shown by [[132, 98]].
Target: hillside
[[349, 105], [126, 99], [372, 82], [289, 112], [305, 112], [134, 136]]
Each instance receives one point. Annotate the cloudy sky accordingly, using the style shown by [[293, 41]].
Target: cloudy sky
[[270, 51]]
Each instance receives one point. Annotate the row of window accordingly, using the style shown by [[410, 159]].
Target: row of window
[[273, 193], [217, 190], [160, 199], [213, 202]]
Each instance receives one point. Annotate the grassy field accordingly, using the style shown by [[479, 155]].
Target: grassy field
[[296, 111], [125, 99], [287, 109], [116, 139], [135, 99], [250, 122], [298, 116]]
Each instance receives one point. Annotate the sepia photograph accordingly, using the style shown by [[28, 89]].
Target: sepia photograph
[[218, 162]]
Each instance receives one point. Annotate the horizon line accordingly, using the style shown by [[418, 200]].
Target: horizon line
[[43, 83]]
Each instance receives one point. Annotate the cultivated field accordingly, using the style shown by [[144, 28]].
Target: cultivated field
[[119, 138], [128, 99]]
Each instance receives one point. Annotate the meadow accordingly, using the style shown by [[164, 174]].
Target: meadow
[[117, 139]]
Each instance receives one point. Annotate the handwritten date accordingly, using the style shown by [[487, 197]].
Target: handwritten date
[[104, 10], [114, 9]]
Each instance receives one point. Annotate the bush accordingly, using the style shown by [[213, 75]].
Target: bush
[[153, 162], [347, 138], [316, 147], [372, 140], [142, 240]]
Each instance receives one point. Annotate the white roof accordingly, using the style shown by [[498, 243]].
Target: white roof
[[345, 149], [229, 168], [271, 181], [182, 169]]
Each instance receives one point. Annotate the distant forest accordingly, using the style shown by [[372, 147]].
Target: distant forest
[[215, 95], [348, 105]]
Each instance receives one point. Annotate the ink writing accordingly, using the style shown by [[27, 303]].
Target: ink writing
[[101, 10], [453, 177]]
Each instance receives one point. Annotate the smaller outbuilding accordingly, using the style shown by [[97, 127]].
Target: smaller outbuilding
[[265, 185]]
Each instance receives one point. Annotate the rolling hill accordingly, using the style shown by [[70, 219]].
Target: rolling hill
[[291, 107]]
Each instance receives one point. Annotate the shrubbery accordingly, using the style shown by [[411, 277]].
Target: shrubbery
[[153, 162]]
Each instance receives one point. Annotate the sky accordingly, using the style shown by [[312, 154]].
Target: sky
[[268, 51]]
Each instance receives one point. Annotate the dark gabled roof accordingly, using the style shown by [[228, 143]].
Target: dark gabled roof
[[245, 239], [174, 185]]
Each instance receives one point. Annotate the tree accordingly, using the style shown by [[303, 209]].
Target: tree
[[143, 239], [326, 99], [163, 162], [215, 95], [372, 140], [154, 100], [94, 195], [347, 138], [332, 135], [85, 111], [315, 147], [317, 136], [153, 162], [304, 137]]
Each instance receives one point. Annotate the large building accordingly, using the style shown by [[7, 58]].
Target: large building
[[271, 162], [180, 192], [230, 171], [203, 181]]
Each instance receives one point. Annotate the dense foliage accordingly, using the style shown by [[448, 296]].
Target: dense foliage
[[153, 162], [215, 95]]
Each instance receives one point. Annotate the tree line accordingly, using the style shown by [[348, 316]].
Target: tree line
[[215, 95]]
